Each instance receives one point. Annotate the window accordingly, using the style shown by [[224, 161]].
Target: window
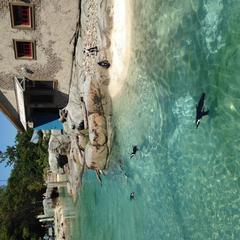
[[24, 49], [21, 15]]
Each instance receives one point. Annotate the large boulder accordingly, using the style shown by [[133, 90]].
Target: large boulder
[[83, 140], [96, 157], [59, 143], [96, 120], [76, 156], [97, 129], [98, 136], [93, 99], [52, 160], [78, 144]]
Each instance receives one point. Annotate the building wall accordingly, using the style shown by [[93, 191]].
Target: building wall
[[55, 25]]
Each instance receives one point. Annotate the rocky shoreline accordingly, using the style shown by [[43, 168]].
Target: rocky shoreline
[[87, 119]]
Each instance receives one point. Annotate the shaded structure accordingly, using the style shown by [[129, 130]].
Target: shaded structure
[[36, 59]]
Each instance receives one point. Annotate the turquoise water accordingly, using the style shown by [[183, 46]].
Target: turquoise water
[[186, 180]]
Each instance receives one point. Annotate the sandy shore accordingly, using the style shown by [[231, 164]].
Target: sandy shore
[[120, 49]]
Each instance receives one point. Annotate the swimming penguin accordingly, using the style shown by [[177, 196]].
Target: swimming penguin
[[132, 196], [135, 149], [200, 110]]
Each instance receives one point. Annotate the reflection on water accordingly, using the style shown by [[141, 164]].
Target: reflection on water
[[186, 180]]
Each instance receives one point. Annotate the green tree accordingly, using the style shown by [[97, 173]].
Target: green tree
[[9, 157], [20, 200]]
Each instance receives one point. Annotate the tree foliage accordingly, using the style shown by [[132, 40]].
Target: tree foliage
[[9, 156], [21, 199]]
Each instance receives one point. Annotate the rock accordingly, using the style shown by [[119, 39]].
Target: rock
[[59, 143], [97, 129], [52, 160], [93, 99], [95, 120], [75, 153], [96, 157], [98, 136], [82, 140], [76, 156]]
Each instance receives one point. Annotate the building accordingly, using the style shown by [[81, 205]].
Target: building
[[36, 52]]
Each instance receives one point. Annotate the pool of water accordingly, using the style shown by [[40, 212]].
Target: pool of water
[[186, 180]]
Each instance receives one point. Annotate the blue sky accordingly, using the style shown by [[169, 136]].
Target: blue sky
[[8, 133]]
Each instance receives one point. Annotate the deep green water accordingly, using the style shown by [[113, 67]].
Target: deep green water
[[186, 180]]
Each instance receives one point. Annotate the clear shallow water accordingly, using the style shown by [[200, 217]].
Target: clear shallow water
[[186, 180]]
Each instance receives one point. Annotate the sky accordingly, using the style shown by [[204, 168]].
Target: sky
[[7, 138]]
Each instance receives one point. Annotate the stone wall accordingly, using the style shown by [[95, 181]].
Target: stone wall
[[55, 24]]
